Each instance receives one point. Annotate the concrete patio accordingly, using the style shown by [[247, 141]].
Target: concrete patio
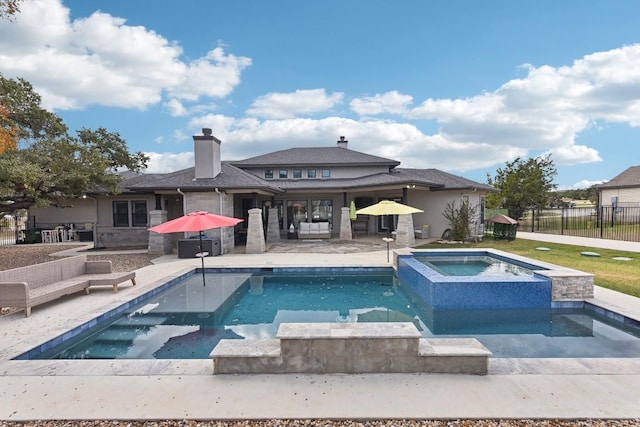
[[186, 389]]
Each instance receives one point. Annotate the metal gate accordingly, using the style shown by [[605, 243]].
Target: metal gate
[[16, 228]]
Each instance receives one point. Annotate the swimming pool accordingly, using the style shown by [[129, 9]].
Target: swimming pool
[[187, 319]]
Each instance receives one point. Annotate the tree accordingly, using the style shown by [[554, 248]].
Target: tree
[[23, 114], [8, 8], [8, 133], [46, 165], [460, 220], [522, 185]]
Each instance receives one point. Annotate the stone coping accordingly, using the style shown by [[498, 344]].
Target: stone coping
[[347, 330]]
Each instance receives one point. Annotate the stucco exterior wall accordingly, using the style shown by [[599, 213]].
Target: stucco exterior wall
[[626, 196], [434, 203], [79, 213]]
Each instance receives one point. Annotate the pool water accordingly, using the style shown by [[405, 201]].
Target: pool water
[[473, 266], [188, 319]]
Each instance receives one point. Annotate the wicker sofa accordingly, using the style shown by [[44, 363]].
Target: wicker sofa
[[26, 287], [314, 230]]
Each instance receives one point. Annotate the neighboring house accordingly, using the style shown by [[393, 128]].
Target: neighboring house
[[623, 190], [300, 184]]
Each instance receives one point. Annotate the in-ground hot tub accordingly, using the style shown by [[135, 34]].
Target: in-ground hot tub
[[488, 279]]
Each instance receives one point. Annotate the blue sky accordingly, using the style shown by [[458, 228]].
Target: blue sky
[[462, 86]]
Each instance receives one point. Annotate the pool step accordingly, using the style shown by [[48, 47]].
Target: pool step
[[323, 348], [145, 320]]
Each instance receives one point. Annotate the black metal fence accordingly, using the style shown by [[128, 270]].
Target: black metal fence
[[17, 228], [605, 222]]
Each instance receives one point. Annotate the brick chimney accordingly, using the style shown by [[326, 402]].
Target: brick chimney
[[207, 154], [342, 143]]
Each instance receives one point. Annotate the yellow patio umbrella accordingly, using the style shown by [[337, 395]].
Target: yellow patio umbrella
[[352, 211], [388, 207]]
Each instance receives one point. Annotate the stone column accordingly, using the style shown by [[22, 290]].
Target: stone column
[[273, 226], [345, 224], [404, 231], [159, 244], [255, 233]]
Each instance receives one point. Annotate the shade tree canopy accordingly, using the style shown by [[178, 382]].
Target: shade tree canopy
[[523, 184], [42, 164], [8, 8]]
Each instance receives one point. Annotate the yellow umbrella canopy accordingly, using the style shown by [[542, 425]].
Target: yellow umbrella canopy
[[388, 207], [352, 211]]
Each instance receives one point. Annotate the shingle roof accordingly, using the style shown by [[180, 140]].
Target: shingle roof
[[234, 178], [440, 180], [315, 156], [432, 178], [628, 178], [230, 178]]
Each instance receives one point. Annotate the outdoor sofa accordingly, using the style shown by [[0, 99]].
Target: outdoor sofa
[[314, 230], [29, 286]]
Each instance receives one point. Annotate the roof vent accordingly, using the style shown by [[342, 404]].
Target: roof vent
[[207, 131]]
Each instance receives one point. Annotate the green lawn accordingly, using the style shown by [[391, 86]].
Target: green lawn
[[622, 276]]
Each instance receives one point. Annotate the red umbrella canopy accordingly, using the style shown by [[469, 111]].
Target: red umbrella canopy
[[196, 221]]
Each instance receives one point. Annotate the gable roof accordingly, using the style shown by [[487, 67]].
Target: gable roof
[[440, 180], [628, 178], [315, 156], [234, 178], [229, 178]]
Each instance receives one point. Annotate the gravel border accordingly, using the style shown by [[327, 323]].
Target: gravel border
[[23, 255], [332, 423]]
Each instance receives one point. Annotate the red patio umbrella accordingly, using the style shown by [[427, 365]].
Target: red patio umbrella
[[196, 221]]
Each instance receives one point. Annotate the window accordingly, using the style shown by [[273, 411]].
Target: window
[[268, 173], [139, 213], [296, 212], [297, 173], [326, 173], [284, 173], [322, 210], [121, 213], [311, 173]]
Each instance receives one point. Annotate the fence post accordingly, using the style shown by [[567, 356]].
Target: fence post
[[533, 219], [15, 227], [601, 221]]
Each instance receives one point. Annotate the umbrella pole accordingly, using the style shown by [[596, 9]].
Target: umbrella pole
[[204, 282]]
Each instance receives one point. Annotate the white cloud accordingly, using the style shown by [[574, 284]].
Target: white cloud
[[176, 108], [242, 138], [169, 162], [392, 102], [547, 109], [574, 154], [585, 184], [215, 75], [289, 105], [179, 135], [100, 60]]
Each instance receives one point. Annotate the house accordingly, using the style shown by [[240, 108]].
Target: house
[[284, 188], [623, 190]]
